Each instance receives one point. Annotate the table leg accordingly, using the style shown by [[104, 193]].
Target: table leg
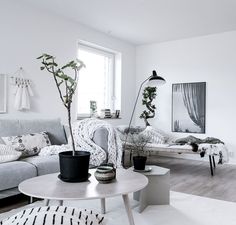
[[46, 202], [31, 200], [128, 209], [142, 200], [214, 163], [60, 202], [103, 206], [211, 167]]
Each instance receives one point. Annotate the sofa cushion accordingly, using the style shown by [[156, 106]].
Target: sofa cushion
[[54, 128], [28, 144], [44, 164], [13, 173]]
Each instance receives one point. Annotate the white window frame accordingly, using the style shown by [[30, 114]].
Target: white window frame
[[113, 87]]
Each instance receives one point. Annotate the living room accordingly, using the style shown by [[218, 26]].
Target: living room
[[188, 43]]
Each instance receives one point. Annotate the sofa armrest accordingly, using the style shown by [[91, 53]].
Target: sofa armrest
[[101, 138]]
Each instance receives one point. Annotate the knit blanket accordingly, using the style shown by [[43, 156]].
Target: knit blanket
[[83, 133]]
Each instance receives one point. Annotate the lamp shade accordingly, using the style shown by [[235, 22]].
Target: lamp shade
[[155, 80]]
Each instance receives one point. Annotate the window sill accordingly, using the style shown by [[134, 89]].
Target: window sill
[[81, 118], [109, 118]]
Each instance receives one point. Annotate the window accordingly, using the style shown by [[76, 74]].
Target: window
[[99, 81]]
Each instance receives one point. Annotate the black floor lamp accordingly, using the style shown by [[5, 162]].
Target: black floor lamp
[[153, 81]]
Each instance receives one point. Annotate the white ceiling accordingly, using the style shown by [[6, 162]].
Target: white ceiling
[[148, 21]]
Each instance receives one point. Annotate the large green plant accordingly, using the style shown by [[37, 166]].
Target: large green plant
[[66, 85], [149, 94]]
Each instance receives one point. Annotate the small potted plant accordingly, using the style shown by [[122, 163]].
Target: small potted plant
[[139, 142], [74, 165]]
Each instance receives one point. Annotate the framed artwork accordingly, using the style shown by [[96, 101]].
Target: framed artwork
[[3, 93], [189, 107]]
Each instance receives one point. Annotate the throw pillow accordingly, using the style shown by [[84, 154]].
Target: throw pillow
[[154, 136], [8, 153], [133, 132], [29, 144]]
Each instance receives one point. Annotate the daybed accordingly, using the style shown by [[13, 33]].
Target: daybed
[[154, 150], [210, 147]]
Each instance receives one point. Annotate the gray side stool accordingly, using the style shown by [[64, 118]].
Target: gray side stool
[[157, 192]]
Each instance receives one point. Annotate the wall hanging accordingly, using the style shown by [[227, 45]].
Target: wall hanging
[[3, 93], [189, 107], [22, 90]]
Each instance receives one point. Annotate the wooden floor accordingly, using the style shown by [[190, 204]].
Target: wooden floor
[[193, 177], [187, 176]]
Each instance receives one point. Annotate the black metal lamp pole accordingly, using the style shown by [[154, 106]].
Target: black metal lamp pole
[[157, 80]]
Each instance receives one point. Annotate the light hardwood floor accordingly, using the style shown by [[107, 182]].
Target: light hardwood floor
[[187, 176], [193, 177]]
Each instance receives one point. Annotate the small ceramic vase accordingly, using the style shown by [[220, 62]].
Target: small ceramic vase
[[105, 174]]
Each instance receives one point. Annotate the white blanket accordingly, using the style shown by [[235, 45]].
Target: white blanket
[[83, 132]]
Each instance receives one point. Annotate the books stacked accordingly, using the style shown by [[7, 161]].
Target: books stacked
[[105, 113]]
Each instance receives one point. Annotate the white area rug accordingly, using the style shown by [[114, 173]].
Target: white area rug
[[184, 209]]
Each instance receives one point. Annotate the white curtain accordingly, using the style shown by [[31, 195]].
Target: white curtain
[[194, 100]]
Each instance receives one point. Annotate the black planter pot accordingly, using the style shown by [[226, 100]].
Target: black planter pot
[[139, 162], [74, 168]]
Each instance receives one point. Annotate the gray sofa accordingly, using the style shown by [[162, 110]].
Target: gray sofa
[[12, 173]]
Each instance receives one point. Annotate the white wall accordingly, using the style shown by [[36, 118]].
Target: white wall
[[27, 32], [210, 59]]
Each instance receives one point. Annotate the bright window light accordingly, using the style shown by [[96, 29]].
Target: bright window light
[[99, 81]]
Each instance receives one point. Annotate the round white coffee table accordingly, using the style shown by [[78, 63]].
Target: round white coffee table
[[50, 187]]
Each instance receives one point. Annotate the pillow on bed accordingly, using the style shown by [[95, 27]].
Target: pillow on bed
[[133, 132], [8, 153], [153, 134], [133, 129], [29, 144]]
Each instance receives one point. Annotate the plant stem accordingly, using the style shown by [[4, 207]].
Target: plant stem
[[70, 128], [55, 79]]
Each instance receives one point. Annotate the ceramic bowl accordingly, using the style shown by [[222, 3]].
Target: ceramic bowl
[[105, 174]]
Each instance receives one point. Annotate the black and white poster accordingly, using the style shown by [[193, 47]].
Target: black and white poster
[[189, 107]]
